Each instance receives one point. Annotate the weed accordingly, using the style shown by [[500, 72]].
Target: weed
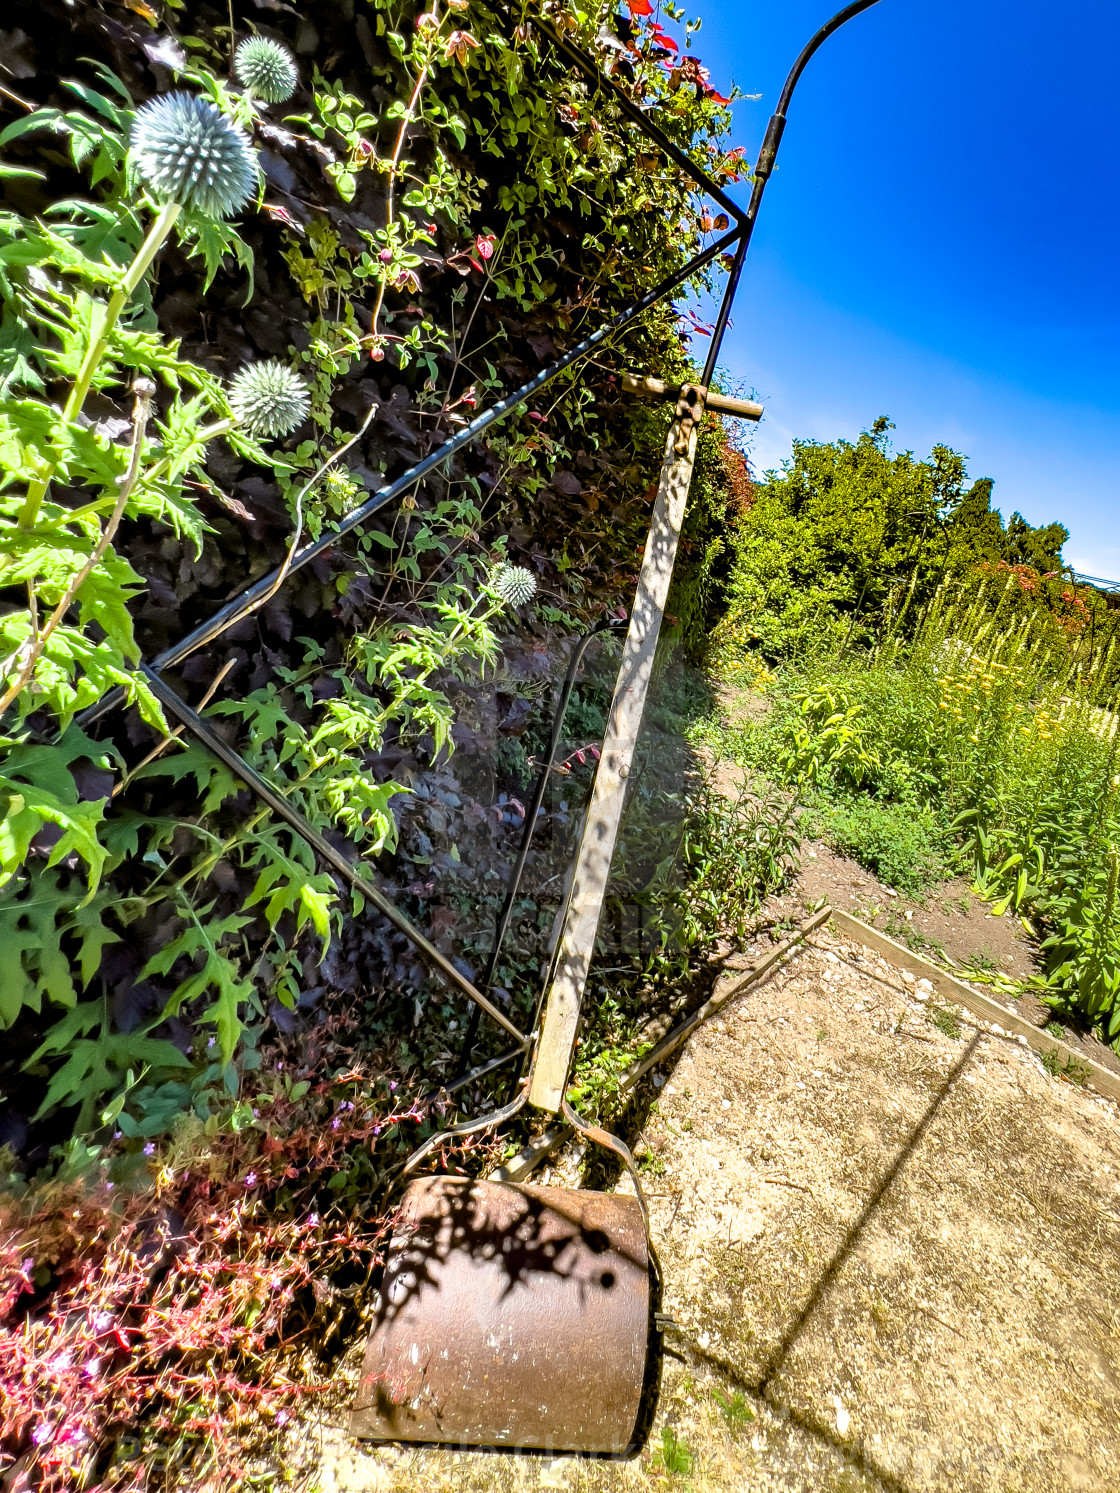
[[901, 842], [1071, 1070], [897, 928], [736, 1413], [673, 1456], [980, 969], [946, 1020]]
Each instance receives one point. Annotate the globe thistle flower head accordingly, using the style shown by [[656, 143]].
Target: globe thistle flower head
[[514, 584], [269, 399], [189, 152], [266, 68]]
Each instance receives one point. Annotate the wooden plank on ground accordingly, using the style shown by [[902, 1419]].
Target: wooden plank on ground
[[518, 1167], [1104, 1080]]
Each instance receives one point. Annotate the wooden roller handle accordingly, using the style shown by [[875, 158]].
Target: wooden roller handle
[[656, 388]]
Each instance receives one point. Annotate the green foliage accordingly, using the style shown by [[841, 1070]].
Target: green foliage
[[981, 743], [947, 1021], [693, 865], [230, 910], [901, 842], [40, 790], [77, 294], [1071, 1070], [829, 742], [737, 1415], [1084, 948], [673, 1457], [851, 537]]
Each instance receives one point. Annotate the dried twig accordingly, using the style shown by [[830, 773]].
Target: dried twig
[[785, 1182], [936, 1318]]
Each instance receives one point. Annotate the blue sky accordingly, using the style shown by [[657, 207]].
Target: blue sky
[[940, 241]]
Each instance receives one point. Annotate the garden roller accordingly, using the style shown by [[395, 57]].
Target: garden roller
[[523, 1317]]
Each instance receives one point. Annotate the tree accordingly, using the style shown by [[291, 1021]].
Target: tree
[[847, 529]]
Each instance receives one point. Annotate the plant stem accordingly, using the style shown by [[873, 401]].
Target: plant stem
[[144, 389], [165, 221], [341, 451], [394, 167]]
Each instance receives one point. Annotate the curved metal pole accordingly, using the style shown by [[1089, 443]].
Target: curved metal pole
[[764, 166], [814, 42]]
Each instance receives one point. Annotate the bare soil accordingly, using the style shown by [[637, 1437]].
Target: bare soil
[[950, 922], [952, 927], [896, 1246]]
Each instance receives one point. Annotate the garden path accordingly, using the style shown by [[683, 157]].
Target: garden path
[[889, 1246]]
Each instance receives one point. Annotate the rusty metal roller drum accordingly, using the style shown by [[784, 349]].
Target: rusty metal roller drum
[[509, 1317]]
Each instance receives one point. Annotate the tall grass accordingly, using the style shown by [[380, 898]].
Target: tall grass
[[980, 738]]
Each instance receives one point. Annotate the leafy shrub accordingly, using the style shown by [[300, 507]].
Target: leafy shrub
[[851, 539], [1084, 949], [901, 842], [983, 742]]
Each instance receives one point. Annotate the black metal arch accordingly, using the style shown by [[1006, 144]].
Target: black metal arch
[[738, 240]]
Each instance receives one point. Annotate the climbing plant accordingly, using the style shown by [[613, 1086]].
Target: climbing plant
[[436, 209]]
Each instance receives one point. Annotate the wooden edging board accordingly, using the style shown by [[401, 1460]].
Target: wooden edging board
[[1104, 1080], [518, 1167]]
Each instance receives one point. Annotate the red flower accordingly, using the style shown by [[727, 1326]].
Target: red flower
[[640, 7]]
